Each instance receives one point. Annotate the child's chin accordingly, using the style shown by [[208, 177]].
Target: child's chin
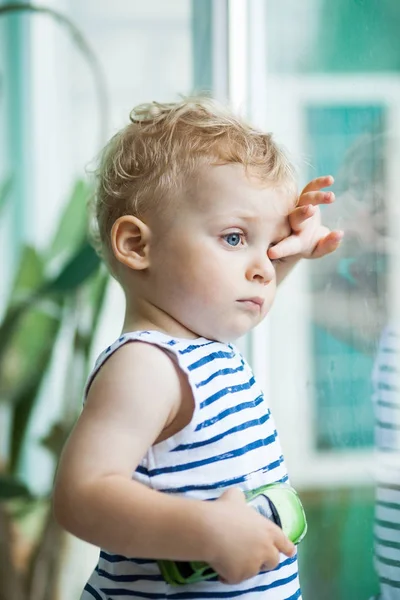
[[228, 331]]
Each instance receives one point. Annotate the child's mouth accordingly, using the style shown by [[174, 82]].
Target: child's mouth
[[252, 303]]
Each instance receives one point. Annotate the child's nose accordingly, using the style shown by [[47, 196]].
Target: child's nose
[[261, 269]]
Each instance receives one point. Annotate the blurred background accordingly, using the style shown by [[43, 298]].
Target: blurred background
[[325, 78]]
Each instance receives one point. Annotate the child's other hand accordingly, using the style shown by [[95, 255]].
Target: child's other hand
[[309, 238], [243, 542]]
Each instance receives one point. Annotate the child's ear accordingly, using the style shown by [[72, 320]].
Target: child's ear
[[130, 239]]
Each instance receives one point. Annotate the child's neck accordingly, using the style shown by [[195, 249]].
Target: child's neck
[[154, 319]]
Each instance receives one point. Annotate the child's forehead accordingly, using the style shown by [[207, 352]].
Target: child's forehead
[[232, 187]]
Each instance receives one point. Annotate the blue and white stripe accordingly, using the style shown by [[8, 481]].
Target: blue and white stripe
[[230, 441], [386, 380]]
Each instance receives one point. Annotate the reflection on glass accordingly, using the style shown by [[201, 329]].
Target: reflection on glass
[[343, 363], [358, 278], [351, 49]]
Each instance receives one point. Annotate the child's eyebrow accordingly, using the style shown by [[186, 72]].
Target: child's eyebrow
[[244, 216]]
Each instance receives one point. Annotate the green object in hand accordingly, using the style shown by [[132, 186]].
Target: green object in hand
[[278, 502]]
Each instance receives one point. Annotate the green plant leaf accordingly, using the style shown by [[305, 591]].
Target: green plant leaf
[[33, 336], [24, 404], [10, 488], [28, 279], [78, 269], [24, 366], [25, 295], [29, 276], [72, 227], [23, 398], [55, 440]]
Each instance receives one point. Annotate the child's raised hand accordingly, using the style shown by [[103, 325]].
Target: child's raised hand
[[243, 542], [309, 238]]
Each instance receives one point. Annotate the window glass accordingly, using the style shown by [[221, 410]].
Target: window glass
[[332, 91]]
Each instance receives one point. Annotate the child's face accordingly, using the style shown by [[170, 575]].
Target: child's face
[[209, 269]]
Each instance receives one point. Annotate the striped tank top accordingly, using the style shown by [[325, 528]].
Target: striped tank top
[[386, 382], [230, 441]]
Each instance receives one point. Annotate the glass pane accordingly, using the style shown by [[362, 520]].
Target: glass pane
[[342, 371], [333, 95]]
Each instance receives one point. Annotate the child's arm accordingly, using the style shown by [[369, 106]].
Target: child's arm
[[135, 395]]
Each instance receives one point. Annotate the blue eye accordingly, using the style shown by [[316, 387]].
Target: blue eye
[[233, 239]]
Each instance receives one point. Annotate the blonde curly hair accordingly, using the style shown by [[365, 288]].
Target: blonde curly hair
[[149, 161]]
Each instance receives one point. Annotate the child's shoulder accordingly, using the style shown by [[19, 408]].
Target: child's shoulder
[[135, 383], [146, 353], [133, 361]]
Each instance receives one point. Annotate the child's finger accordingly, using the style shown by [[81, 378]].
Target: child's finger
[[287, 247], [300, 214], [271, 562], [283, 544], [328, 244], [316, 198], [317, 184]]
